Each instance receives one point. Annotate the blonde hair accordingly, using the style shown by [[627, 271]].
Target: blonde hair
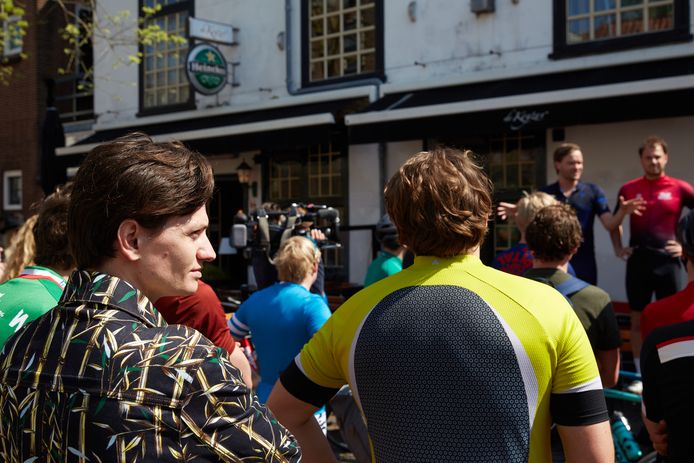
[[296, 258], [21, 251], [528, 206]]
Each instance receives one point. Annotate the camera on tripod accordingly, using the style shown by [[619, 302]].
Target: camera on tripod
[[265, 230]]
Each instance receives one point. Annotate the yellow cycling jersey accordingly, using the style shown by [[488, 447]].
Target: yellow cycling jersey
[[451, 360]]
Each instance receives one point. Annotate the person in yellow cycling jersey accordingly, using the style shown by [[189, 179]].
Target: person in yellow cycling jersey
[[451, 360]]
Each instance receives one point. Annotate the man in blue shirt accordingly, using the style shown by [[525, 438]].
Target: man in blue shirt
[[282, 318], [588, 200]]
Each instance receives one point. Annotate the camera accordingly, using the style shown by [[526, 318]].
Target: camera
[[265, 230]]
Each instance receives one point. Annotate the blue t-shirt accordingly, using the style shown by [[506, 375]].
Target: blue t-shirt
[[589, 201], [281, 319]]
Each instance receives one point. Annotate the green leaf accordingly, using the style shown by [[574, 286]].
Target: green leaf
[[100, 405], [127, 296]]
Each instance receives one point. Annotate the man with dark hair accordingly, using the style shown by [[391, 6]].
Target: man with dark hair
[[553, 236], [102, 377], [39, 287], [450, 360], [653, 254], [589, 201]]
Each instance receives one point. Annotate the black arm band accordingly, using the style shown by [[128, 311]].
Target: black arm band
[[579, 409], [298, 385]]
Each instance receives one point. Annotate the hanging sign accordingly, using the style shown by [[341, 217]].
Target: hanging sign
[[212, 31], [206, 69]]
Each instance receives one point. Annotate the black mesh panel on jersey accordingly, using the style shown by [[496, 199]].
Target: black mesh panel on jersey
[[439, 381]]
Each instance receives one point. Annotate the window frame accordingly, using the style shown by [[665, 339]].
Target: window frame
[[8, 52], [302, 156], [378, 73], [69, 98], [6, 176], [183, 5], [679, 33]]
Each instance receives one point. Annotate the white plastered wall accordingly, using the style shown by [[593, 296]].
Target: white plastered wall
[[610, 153], [366, 195]]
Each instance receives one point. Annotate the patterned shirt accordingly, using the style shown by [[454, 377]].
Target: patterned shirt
[[102, 377]]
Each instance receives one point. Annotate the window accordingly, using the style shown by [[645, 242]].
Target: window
[[12, 190], [324, 172], [11, 38], [74, 91], [164, 85], [591, 26], [513, 162], [343, 39], [317, 176]]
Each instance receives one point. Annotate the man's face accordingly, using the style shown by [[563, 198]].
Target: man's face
[[571, 166], [653, 161], [172, 256]]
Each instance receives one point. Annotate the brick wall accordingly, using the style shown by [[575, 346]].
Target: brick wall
[[24, 101]]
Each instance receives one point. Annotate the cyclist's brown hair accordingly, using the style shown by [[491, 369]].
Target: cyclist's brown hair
[[440, 202], [132, 178], [554, 233], [652, 141], [564, 150], [50, 231]]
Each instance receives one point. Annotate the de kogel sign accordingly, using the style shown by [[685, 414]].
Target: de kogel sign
[[206, 69]]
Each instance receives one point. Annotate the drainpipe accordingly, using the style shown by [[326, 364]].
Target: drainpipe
[[292, 86]]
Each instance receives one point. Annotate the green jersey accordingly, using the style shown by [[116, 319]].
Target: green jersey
[[25, 298], [384, 265]]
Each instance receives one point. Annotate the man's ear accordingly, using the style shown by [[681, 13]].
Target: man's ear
[[129, 239]]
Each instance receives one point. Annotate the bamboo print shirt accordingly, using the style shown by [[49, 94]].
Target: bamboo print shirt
[[102, 377]]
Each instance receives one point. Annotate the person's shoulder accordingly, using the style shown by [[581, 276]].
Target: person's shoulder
[[523, 289], [679, 182], [594, 188], [594, 292], [550, 188], [665, 335], [635, 182]]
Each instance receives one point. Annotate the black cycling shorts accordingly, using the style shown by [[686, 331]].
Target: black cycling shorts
[[650, 271]]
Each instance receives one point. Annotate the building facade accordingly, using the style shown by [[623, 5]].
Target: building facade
[[326, 98], [41, 105]]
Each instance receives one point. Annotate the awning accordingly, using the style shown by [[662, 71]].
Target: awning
[[545, 100], [285, 126]]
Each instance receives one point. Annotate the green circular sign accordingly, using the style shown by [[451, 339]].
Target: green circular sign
[[206, 69]]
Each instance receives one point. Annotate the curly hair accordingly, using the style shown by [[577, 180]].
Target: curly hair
[[50, 232], [440, 201], [554, 233], [21, 251]]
